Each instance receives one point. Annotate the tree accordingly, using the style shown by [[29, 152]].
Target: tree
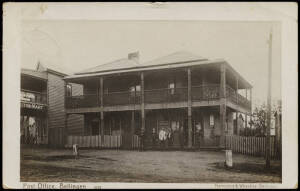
[[259, 118]]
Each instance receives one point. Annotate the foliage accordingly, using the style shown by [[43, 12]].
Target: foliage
[[259, 120]]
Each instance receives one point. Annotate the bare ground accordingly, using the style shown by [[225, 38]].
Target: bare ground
[[49, 165]]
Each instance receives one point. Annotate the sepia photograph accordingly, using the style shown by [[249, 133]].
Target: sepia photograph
[[149, 101]]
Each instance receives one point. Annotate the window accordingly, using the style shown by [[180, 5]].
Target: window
[[138, 88], [69, 90], [211, 120], [172, 87], [132, 91], [135, 90]]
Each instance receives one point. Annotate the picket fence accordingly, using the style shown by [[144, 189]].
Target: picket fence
[[254, 146], [98, 141], [136, 142]]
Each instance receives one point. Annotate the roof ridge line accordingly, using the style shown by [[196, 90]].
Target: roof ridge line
[[103, 64], [143, 66]]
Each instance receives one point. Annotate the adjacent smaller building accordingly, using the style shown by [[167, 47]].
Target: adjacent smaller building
[[42, 119]]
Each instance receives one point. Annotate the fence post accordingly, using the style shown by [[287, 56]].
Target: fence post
[[234, 143], [264, 150], [261, 148], [243, 144], [254, 143], [246, 145], [255, 146], [249, 145], [238, 143]]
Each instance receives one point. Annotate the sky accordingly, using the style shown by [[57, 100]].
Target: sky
[[72, 46]]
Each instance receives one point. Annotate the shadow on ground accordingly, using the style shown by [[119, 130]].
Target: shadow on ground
[[251, 168], [60, 158], [53, 165]]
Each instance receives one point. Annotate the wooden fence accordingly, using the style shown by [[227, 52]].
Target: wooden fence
[[254, 146], [98, 141], [136, 142]]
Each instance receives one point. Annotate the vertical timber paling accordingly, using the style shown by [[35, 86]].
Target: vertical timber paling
[[65, 132], [142, 108], [101, 112], [132, 127], [246, 115], [246, 121], [237, 103], [251, 108], [189, 109], [222, 100], [120, 128]]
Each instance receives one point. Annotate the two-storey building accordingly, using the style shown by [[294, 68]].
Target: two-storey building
[[178, 101], [42, 119]]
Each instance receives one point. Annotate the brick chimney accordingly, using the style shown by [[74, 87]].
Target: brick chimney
[[134, 56]]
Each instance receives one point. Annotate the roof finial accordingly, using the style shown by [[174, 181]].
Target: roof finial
[[40, 67]]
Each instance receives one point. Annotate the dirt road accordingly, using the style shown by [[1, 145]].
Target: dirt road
[[50, 165]]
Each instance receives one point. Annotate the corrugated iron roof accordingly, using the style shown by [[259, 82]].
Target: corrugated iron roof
[[121, 64], [117, 64], [174, 60], [159, 67], [176, 57]]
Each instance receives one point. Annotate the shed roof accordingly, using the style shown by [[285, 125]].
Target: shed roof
[[41, 72], [34, 73]]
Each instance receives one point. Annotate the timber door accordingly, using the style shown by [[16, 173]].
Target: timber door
[[198, 132], [127, 140], [211, 132], [95, 127], [125, 130], [175, 134]]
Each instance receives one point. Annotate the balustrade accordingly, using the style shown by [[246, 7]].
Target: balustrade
[[206, 92], [82, 101], [121, 98], [165, 95]]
